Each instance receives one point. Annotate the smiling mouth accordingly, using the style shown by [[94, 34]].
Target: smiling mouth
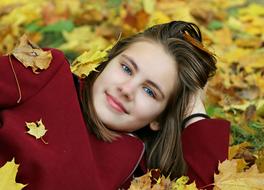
[[115, 104]]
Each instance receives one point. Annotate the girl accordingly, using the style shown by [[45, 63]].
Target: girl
[[142, 110]]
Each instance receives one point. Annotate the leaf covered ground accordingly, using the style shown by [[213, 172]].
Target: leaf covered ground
[[233, 30]]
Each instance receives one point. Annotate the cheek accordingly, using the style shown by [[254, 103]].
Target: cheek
[[147, 108]]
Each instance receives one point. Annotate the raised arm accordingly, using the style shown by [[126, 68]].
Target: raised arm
[[205, 142]]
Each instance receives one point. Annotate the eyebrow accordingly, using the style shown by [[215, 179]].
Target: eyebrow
[[131, 61], [136, 68]]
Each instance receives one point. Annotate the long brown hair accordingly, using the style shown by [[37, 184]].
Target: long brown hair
[[183, 41]]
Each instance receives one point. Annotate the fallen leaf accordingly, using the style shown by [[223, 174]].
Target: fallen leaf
[[88, 61], [36, 129], [82, 39], [229, 179], [149, 6], [8, 174], [260, 161], [181, 184], [236, 149], [241, 165], [31, 55], [153, 180], [141, 183]]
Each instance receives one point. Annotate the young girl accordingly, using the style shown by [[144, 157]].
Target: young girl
[[142, 109]]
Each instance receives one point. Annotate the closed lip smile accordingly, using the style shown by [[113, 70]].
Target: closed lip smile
[[117, 105]]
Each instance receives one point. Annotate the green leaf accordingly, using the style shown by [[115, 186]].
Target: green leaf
[[114, 3], [214, 111], [33, 26], [239, 135], [64, 25], [215, 25], [256, 125], [52, 39], [70, 55]]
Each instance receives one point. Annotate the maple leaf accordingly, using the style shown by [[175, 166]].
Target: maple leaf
[[88, 61], [153, 180], [30, 55], [8, 176], [141, 183], [229, 179], [37, 130], [181, 184]]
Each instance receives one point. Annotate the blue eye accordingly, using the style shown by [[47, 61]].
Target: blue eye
[[149, 91], [126, 69]]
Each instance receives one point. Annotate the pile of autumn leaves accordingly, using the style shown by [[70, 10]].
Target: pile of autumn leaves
[[229, 178]]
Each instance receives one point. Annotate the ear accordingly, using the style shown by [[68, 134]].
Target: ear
[[154, 126]]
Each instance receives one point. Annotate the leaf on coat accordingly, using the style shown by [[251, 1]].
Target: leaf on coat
[[88, 61], [36, 129], [229, 179], [30, 55], [8, 176]]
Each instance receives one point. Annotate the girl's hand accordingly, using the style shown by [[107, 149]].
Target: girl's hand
[[196, 106]]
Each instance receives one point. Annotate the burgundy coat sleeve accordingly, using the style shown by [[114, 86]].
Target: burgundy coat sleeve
[[73, 158], [205, 143], [30, 83]]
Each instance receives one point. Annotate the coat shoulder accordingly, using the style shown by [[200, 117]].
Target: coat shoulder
[[18, 83]]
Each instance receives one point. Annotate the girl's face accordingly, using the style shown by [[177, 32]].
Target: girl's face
[[134, 87]]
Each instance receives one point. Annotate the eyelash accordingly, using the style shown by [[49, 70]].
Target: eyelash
[[149, 91], [126, 69]]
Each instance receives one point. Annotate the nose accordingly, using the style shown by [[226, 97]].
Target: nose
[[127, 90]]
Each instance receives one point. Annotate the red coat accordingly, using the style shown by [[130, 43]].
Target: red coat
[[73, 157]]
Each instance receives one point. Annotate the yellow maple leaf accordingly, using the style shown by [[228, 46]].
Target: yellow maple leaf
[[229, 179], [82, 38], [141, 183], [160, 182], [149, 6], [88, 61], [8, 176], [30, 55], [37, 130], [181, 184]]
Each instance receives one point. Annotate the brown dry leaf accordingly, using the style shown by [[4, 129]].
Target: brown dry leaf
[[236, 149], [229, 179], [260, 161], [138, 20], [50, 14], [31, 55]]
